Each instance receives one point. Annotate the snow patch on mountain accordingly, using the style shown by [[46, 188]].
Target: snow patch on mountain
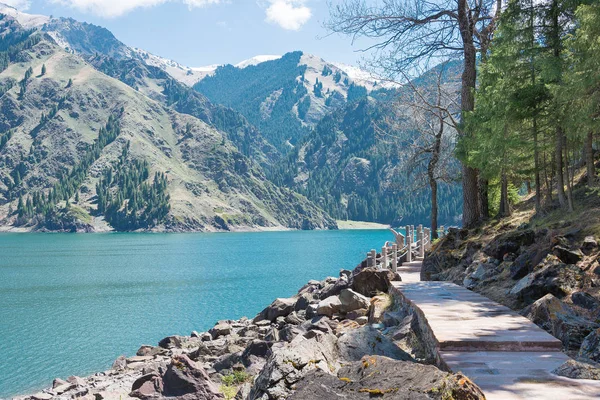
[[256, 60], [186, 75], [27, 21], [364, 78]]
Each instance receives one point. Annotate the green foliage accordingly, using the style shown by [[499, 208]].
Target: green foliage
[[303, 107], [14, 41], [356, 92], [326, 71], [245, 90], [318, 88], [127, 200], [43, 205], [582, 99], [358, 180], [43, 70]]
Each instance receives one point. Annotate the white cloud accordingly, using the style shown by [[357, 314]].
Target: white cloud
[[115, 8], [288, 14], [18, 4]]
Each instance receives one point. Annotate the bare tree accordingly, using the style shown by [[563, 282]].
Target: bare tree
[[430, 111], [415, 33]]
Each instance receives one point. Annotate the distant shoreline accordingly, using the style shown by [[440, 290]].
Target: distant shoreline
[[348, 225]]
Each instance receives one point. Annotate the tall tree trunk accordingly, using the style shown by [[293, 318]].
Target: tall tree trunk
[[504, 210], [569, 185], [536, 164], [558, 157], [589, 159], [434, 208], [471, 210], [484, 205]]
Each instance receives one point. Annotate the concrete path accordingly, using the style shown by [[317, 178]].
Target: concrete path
[[507, 355]]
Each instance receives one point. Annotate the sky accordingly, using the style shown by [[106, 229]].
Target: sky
[[203, 32]]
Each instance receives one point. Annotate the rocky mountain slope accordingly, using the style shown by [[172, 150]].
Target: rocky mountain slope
[[355, 163], [285, 97], [81, 149], [546, 268]]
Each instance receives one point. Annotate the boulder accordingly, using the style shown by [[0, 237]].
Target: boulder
[[577, 369], [220, 329], [521, 266], [585, 300], [356, 343], [361, 312], [379, 304], [371, 281], [510, 242], [350, 301], [303, 301], [170, 342], [290, 362], [281, 307], [147, 386], [589, 245], [560, 320], [384, 378], [120, 363], [185, 380], [336, 287], [550, 276], [477, 272], [590, 348], [566, 255], [329, 306]]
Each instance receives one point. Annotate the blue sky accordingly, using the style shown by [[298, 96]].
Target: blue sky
[[203, 32]]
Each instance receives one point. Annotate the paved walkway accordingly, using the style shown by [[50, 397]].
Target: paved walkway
[[507, 355]]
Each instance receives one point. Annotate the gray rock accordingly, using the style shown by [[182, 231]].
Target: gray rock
[[550, 276], [370, 281], [566, 255], [221, 329], [585, 300], [335, 288], [147, 386], [355, 344], [385, 378], [329, 306], [185, 380], [361, 312], [170, 342], [290, 362], [509, 242], [120, 363], [560, 320], [281, 307], [590, 348], [579, 370], [351, 300]]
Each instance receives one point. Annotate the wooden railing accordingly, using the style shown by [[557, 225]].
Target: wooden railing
[[413, 245]]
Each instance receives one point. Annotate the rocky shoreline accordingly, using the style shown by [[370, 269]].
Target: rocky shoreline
[[345, 336]]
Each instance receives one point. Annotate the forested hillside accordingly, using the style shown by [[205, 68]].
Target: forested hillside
[[84, 151], [353, 170], [283, 98]]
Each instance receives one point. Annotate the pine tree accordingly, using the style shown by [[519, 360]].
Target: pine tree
[[43, 69]]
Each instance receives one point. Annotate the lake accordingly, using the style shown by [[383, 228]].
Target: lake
[[70, 304]]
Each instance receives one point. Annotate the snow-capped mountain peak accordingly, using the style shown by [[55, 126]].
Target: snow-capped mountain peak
[[256, 60], [27, 21]]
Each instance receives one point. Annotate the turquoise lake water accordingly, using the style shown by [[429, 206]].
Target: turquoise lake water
[[70, 304]]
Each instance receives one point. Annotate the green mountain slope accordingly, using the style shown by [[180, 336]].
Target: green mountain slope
[[353, 172], [283, 98], [81, 150]]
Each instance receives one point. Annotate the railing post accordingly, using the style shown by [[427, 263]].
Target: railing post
[[384, 259], [394, 257], [409, 240], [421, 239], [427, 234], [373, 258]]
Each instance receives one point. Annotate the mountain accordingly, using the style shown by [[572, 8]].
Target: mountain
[[285, 97], [350, 170], [93, 138]]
